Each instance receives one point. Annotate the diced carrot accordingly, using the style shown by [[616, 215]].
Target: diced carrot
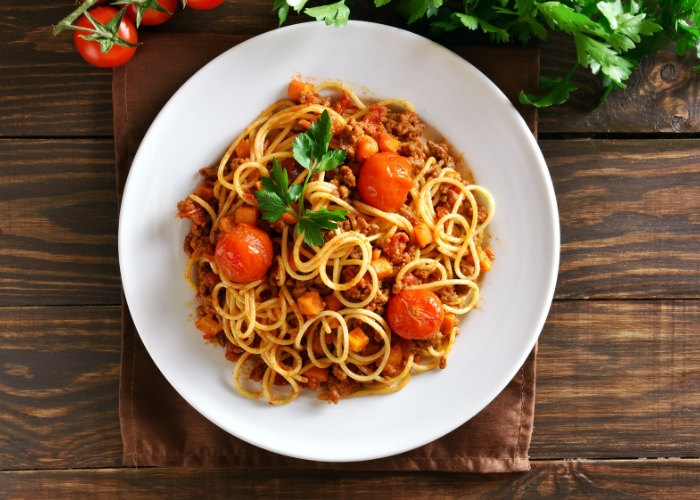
[[376, 253], [209, 326], [484, 260], [205, 192], [289, 218], [383, 267], [393, 364], [365, 148], [387, 142], [247, 215], [226, 224], [243, 149], [333, 303], [333, 323], [358, 339], [296, 88], [310, 304], [320, 374], [423, 234], [448, 323]]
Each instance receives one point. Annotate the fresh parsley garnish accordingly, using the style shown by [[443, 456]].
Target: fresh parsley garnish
[[612, 37], [276, 197]]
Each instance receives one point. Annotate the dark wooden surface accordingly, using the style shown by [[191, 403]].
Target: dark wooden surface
[[618, 386]]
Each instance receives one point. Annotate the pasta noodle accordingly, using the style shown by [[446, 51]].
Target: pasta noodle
[[261, 323]]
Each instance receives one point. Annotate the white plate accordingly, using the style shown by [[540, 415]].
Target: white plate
[[194, 129]]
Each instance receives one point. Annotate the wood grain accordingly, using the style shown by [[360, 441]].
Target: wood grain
[[615, 379], [619, 480], [47, 90], [59, 384], [58, 233], [618, 379], [629, 217]]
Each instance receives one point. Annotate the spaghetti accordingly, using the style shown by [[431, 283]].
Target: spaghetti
[[321, 316]]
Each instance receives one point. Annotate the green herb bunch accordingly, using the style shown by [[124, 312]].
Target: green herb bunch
[[277, 196], [612, 37]]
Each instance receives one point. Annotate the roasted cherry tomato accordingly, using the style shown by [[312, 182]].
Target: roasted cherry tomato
[[203, 4], [244, 254], [152, 17], [385, 181], [115, 56], [415, 314]]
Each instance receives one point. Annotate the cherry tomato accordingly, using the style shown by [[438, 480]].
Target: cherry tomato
[[244, 254], [203, 4], [153, 17], [415, 314], [90, 50], [385, 181]]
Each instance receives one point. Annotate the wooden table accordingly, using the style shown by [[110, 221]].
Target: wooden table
[[618, 389]]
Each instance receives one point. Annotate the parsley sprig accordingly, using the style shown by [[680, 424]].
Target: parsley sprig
[[277, 196]]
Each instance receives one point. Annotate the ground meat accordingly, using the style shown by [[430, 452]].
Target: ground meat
[[189, 209], [489, 252], [299, 288], [408, 212], [233, 353], [466, 268], [447, 294], [338, 388], [443, 362], [483, 213], [356, 253], [440, 152], [395, 248], [347, 177], [207, 280], [366, 228], [377, 304], [209, 173], [278, 226], [314, 98], [256, 374], [339, 373], [413, 150], [406, 126], [344, 193]]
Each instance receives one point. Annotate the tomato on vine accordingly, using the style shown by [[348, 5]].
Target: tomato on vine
[[105, 38]]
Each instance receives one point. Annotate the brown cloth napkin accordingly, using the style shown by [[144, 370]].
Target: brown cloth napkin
[[160, 429]]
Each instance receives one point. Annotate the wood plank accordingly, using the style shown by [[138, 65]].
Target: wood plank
[[615, 379], [617, 479], [59, 384], [618, 379], [58, 233], [47, 90], [629, 217]]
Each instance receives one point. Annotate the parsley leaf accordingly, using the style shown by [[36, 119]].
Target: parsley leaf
[[559, 92], [313, 221], [335, 13]]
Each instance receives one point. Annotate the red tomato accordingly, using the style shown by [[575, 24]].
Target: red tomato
[[385, 181], [203, 4], [117, 55], [153, 17], [244, 254], [415, 314]]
